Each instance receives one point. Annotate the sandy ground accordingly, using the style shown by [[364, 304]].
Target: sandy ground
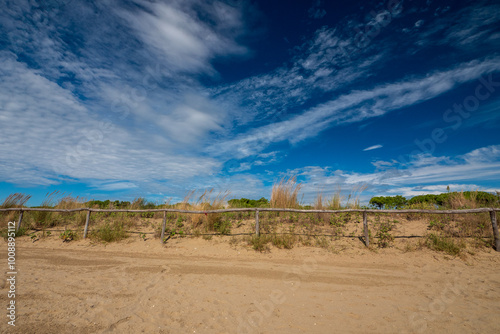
[[193, 285]]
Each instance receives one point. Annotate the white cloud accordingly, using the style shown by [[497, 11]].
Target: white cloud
[[49, 136], [483, 155], [320, 66], [102, 108], [466, 28], [113, 186], [424, 175], [188, 44], [355, 106], [374, 147], [475, 166]]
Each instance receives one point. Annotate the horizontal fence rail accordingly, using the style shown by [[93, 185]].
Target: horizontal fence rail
[[492, 211]]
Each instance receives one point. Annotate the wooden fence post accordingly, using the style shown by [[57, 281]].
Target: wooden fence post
[[86, 225], [163, 226], [496, 235], [365, 226], [257, 228], [20, 220]]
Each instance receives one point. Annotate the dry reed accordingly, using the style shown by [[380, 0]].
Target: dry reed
[[285, 193]]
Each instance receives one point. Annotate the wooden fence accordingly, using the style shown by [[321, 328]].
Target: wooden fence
[[492, 211]]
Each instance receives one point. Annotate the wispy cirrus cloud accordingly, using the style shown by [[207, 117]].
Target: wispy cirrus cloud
[[374, 147], [60, 87], [356, 106], [48, 133], [468, 28], [318, 68], [174, 31]]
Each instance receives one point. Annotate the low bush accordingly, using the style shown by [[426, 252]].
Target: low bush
[[68, 236], [259, 243], [385, 238], [109, 232], [443, 244], [223, 226], [248, 203], [5, 232], [286, 241]]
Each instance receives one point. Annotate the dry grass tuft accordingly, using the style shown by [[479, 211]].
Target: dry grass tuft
[[16, 200], [285, 193], [206, 201], [458, 200], [335, 201], [354, 196]]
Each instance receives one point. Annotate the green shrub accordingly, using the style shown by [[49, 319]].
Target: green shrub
[[42, 219], [444, 244], [437, 225], [109, 232], [286, 241], [248, 203], [223, 226], [5, 232], [385, 238], [259, 243], [68, 236], [388, 202], [431, 199], [476, 198], [338, 222]]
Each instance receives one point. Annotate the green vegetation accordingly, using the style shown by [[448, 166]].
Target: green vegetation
[[223, 226], [259, 243], [451, 200], [109, 232], [384, 237], [388, 202], [248, 203], [107, 204], [68, 236], [444, 244], [5, 233], [286, 241]]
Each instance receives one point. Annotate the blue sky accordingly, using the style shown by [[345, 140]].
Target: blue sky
[[124, 99]]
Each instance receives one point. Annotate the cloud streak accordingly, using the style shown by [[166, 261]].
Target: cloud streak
[[173, 31], [356, 106], [374, 147]]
